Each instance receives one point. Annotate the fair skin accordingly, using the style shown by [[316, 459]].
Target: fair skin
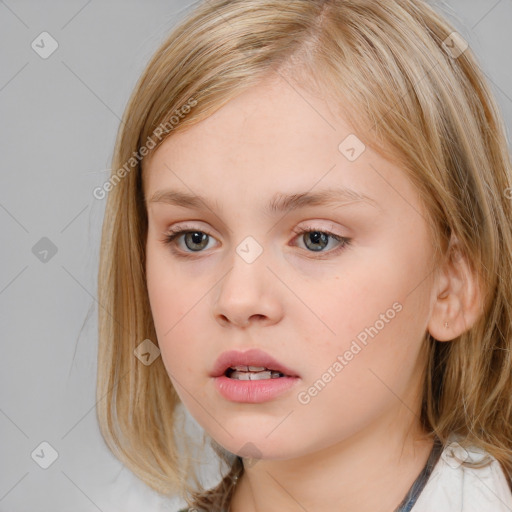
[[357, 445]]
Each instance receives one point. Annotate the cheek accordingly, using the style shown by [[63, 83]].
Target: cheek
[[162, 283], [375, 314], [171, 292], [174, 307], [177, 318], [356, 300], [358, 372]]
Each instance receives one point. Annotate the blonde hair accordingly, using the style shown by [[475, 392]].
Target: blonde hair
[[390, 68]]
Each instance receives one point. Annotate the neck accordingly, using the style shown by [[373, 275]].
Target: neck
[[371, 471]]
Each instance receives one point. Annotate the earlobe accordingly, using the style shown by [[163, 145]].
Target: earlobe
[[448, 320], [457, 301]]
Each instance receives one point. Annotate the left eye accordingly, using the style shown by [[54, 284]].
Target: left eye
[[319, 240], [315, 240]]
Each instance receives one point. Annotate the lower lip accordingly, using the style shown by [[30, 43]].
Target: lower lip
[[253, 391]]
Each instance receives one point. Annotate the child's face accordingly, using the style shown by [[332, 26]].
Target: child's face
[[306, 300]]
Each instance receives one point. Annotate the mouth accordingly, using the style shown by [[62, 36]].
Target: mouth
[[252, 364], [244, 372], [252, 377]]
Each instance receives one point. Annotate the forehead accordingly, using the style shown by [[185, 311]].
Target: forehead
[[271, 138]]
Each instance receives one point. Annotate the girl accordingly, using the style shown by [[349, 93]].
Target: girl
[[307, 243]]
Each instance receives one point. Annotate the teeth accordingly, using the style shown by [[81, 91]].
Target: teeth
[[244, 368], [244, 372], [260, 375]]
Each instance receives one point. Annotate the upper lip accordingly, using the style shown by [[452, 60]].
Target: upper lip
[[253, 357]]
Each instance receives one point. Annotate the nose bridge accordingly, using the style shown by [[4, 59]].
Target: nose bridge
[[247, 269], [245, 290]]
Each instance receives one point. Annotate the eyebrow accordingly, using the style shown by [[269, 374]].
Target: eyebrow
[[279, 203]]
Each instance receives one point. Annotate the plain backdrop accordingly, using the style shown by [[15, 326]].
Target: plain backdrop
[[59, 118]]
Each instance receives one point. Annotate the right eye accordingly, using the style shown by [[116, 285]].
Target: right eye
[[195, 240]]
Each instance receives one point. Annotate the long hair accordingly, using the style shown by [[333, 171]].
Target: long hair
[[413, 92]]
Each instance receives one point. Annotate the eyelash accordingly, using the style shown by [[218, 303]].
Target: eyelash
[[169, 240]]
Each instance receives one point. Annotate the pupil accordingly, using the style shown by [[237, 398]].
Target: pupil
[[197, 237], [316, 237]]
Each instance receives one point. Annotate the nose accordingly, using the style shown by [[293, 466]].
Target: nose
[[248, 293]]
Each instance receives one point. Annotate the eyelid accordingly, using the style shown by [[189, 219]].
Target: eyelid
[[187, 227], [181, 227], [311, 227]]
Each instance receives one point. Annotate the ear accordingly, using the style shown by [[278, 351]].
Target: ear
[[457, 300]]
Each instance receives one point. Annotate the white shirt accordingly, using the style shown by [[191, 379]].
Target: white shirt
[[452, 487]]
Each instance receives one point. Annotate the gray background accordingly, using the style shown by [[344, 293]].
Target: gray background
[[59, 120]]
